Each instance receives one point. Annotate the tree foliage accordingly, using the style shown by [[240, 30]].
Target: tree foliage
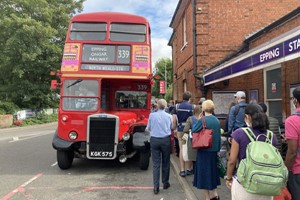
[[163, 70], [31, 44]]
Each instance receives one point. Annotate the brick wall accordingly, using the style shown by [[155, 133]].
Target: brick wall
[[277, 31], [221, 28], [6, 121]]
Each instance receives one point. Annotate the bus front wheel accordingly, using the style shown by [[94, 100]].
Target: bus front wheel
[[65, 159], [144, 160]]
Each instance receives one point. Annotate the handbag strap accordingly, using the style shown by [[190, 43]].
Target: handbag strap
[[203, 122]]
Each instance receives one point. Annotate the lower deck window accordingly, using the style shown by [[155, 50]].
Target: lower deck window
[[131, 99], [80, 95]]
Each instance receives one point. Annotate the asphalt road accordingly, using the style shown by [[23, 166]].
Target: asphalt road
[[28, 171]]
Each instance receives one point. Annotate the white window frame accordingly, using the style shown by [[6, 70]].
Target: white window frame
[[184, 32], [184, 29], [184, 86]]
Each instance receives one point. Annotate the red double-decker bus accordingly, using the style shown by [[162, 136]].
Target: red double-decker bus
[[105, 89]]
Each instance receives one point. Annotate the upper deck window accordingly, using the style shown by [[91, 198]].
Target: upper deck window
[[128, 32], [88, 31]]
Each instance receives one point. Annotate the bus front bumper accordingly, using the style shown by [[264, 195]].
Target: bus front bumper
[[60, 144]]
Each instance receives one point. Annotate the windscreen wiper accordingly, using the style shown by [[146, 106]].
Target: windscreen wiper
[[74, 83]]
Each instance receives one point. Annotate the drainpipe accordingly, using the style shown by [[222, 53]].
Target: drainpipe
[[196, 75]]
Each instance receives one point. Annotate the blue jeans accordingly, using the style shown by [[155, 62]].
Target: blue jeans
[[160, 150]]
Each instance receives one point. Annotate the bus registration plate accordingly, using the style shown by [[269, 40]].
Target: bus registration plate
[[102, 154]]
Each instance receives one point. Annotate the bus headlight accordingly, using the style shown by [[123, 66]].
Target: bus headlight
[[126, 136], [122, 159], [73, 135], [64, 118]]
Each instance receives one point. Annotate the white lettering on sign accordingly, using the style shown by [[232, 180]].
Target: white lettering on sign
[[98, 49], [97, 59], [105, 67], [101, 154], [294, 45], [269, 55], [123, 53], [99, 54]]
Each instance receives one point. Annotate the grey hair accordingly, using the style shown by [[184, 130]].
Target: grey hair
[[162, 104]]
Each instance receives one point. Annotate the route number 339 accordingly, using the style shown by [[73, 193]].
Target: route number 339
[[142, 87]]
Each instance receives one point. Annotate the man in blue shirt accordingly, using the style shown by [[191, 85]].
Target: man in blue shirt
[[160, 125], [237, 113], [181, 113]]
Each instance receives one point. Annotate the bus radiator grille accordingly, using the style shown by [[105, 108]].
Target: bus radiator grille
[[102, 135]]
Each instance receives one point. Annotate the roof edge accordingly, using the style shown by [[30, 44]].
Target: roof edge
[[171, 39], [274, 24], [175, 13]]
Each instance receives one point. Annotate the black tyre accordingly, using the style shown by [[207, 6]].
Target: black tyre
[[144, 160], [65, 159]]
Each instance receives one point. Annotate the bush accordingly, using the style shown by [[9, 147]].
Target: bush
[[40, 119], [8, 108]]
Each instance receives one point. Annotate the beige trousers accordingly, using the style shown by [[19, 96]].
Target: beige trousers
[[239, 193]]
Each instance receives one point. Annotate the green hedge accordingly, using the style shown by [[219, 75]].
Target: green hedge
[[8, 108], [40, 119]]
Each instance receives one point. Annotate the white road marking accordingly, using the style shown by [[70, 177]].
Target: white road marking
[[26, 137], [31, 180], [54, 164]]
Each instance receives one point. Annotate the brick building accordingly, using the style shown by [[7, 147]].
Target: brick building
[[214, 45]]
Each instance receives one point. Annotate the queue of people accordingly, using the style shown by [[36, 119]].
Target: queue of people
[[204, 165]]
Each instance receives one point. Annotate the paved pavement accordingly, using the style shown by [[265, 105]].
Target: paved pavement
[[193, 193]]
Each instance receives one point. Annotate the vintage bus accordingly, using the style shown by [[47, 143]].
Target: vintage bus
[[105, 89]]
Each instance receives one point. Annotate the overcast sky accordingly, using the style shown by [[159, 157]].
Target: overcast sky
[[158, 12]]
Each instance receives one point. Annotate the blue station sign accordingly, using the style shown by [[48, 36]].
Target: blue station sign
[[277, 51]]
